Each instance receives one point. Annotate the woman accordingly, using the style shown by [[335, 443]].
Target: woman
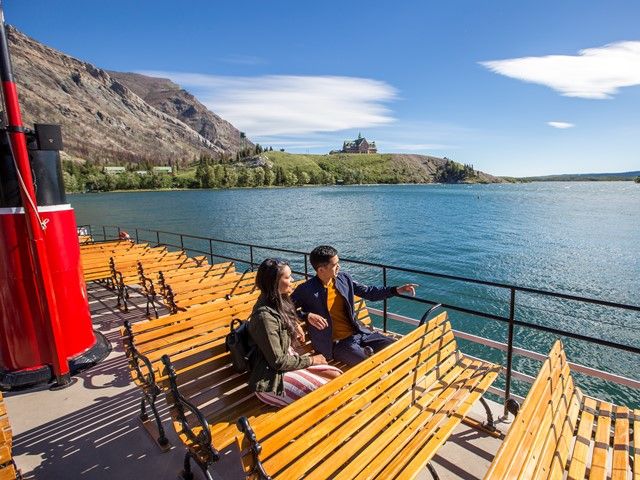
[[278, 374]]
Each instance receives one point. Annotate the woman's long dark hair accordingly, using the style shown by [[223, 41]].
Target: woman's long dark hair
[[268, 280]]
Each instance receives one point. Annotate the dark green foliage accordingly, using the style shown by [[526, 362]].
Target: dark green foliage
[[454, 172]]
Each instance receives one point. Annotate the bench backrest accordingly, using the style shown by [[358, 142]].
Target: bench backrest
[[318, 435], [560, 431]]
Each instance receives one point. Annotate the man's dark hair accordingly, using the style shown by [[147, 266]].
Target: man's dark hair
[[321, 255]]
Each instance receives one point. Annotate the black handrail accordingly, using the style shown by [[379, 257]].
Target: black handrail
[[510, 320]]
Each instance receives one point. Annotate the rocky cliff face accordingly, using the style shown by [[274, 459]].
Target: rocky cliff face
[[106, 118], [169, 98]]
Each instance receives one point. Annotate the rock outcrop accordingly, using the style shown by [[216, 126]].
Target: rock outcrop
[[105, 119]]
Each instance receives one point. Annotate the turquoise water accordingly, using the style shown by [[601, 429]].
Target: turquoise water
[[578, 238]]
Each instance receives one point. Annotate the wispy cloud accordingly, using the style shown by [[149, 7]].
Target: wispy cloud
[[289, 104], [560, 125], [593, 73]]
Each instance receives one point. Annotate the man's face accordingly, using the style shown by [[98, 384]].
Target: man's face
[[330, 270]]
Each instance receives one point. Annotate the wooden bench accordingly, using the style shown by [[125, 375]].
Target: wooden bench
[[191, 279], [561, 433], [8, 469], [383, 418], [201, 292], [192, 338], [95, 257], [130, 270]]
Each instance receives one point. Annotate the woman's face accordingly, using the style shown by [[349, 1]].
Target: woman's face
[[284, 286]]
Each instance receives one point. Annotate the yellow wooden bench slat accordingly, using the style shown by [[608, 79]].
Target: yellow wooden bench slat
[[620, 461], [8, 472], [578, 461], [543, 420], [598, 469], [558, 438]]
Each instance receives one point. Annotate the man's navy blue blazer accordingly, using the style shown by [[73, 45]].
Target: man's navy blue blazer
[[311, 297]]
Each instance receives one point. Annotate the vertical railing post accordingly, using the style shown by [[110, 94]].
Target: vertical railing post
[[157, 238], [211, 251], [384, 307], [137, 238], [91, 231], [181, 242], [251, 256], [306, 268], [507, 387], [119, 231], [104, 233]]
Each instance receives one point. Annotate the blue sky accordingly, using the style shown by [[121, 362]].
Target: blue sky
[[514, 88]]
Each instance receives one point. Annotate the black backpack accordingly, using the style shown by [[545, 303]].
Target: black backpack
[[237, 343]]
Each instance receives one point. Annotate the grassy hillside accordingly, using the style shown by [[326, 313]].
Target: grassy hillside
[[281, 169]]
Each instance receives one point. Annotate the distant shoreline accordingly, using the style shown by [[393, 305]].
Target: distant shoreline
[[353, 185]]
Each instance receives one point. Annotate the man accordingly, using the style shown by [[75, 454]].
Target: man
[[327, 305]]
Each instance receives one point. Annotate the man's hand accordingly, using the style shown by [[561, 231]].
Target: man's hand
[[409, 288], [317, 321]]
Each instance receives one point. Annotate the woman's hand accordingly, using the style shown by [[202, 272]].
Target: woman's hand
[[318, 359], [300, 333]]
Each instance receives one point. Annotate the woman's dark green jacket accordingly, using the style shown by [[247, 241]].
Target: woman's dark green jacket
[[271, 359]]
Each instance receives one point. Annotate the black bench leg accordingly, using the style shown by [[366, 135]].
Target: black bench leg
[[143, 411], [162, 438], [186, 472], [490, 423], [163, 441], [432, 471], [258, 469]]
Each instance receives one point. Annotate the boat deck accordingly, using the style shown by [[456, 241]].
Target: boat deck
[[91, 429]]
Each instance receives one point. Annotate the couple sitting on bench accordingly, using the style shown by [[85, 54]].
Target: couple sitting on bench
[[326, 302]]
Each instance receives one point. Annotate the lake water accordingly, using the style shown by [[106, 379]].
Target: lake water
[[577, 238]]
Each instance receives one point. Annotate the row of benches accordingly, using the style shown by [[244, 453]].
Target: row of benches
[[407, 398], [180, 281]]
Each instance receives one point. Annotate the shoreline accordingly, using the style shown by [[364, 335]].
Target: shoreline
[[352, 185]]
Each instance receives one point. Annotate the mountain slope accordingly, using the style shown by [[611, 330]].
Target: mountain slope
[[169, 98], [102, 119]]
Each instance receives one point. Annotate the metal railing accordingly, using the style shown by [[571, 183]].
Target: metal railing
[[159, 237]]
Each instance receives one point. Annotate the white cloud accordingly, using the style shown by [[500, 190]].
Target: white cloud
[[593, 73], [289, 104], [560, 124]]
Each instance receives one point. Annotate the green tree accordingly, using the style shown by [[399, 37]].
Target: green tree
[[303, 178], [259, 177], [290, 179], [70, 182], [269, 176], [279, 176]]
